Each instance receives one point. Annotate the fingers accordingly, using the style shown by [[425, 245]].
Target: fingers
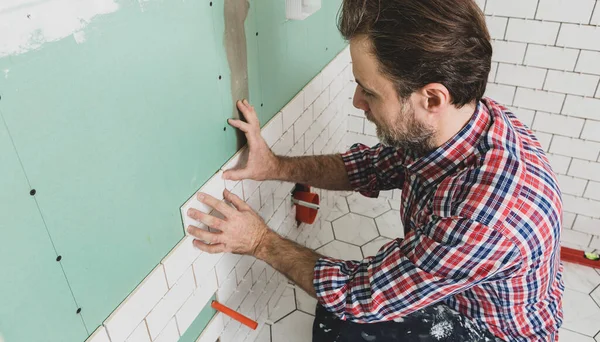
[[236, 201], [207, 219], [221, 206], [248, 112], [204, 235], [212, 249], [241, 125]]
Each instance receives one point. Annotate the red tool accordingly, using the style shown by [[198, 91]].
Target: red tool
[[307, 204], [577, 257], [234, 314]]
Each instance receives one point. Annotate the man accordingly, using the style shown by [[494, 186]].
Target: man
[[482, 209]]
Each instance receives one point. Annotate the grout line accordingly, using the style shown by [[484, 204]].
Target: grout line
[[592, 14], [537, 7], [558, 34]]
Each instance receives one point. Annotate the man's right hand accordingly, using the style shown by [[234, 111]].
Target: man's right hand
[[262, 163]]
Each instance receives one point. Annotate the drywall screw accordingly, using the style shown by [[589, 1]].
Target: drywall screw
[[59, 258], [79, 310], [32, 192]]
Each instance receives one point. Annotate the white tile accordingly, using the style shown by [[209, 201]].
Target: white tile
[[204, 263], [196, 302], [215, 186], [524, 76], [593, 191], [267, 188], [481, 4], [292, 111], [558, 124], [508, 52], [230, 331], [237, 160], [213, 330], [321, 103], [179, 259], [571, 185], [577, 148], [341, 250], [588, 61], [501, 93], [371, 207], [254, 201], [565, 10], [582, 107], [241, 334], [355, 124], [530, 31], [526, 116], [258, 267], [568, 220], [571, 82], [140, 334], [298, 148], [137, 305], [492, 74], [585, 169], [227, 288], [320, 236], [243, 266], [596, 21], [250, 186], [590, 225], [355, 229], [261, 304], [170, 333], [371, 248], [539, 100], [544, 139], [571, 336], [390, 225], [267, 210], [591, 131], [496, 26], [297, 327], [273, 130], [303, 123], [511, 8], [264, 335], [596, 245], [313, 90], [551, 57], [278, 217], [240, 293], [284, 145], [560, 164], [285, 305], [225, 266], [99, 335], [283, 192], [580, 278], [160, 315], [580, 313], [579, 36], [273, 302]]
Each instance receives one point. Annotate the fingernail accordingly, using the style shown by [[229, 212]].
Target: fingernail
[[189, 229], [189, 212], [200, 197]]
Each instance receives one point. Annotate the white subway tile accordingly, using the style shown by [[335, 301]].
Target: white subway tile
[[531, 31], [560, 164], [204, 263], [585, 169], [225, 266], [481, 4], [227, 288], [320, 142], [581, 206], [321, 103], [99, 335], [243, 266], [273, 130], [179, 259], [593, 191], [188, 221], [595, 244], [170, 333], [282, 192], [196, 302], [239, 294], [577, 148], [337, 86], [298, 148], [258, 267], [230, 331], [518, 75], [160, 315], [508, 52], [558, 124], [551, 57], [267, 210], [261, 303], [235, 189], [353, 111], [596, 16], [588, 224], [568, 219], [355, 124], [303, 123], [511, 8], [213, 330], [215, 186], [526, 116], [571, 83], [591, 130], [575, 238], [313, 90], [588, 62], [140, 334], [582, 107], [539, 100], [571, 185], [496, 26], [267, 188], [370, 128], [565, 10], [312, 133], [284, 145], [124, 320], [250, 186], [292, 111], [545, 139], [501, 93], [579, 36], [493, 70], [330, 71]]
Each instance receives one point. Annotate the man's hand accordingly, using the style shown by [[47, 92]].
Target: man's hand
[[240, 232], [262, 163]]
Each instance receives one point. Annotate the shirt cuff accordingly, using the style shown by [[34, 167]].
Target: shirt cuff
[[361, 178]]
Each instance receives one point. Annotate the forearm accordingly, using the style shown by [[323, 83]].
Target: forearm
[[324, 172], [294, 261]]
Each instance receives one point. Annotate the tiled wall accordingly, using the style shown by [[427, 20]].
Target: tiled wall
[[169, 299], [546, 68]]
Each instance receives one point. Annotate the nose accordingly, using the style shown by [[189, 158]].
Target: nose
[[359, 100]]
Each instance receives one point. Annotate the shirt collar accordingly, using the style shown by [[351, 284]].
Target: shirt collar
[[444, 159]]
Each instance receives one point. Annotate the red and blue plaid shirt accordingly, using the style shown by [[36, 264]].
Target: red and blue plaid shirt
[[482, 217]]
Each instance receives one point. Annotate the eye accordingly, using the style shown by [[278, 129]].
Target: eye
[[366, 93]]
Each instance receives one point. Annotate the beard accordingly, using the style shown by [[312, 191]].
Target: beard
[[407, 133]]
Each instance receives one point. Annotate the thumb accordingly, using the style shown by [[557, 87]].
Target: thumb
[[236, 174]]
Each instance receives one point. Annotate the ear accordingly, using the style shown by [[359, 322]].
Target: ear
[[436, 96]]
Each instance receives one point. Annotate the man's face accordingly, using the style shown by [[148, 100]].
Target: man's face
[[397, 121]]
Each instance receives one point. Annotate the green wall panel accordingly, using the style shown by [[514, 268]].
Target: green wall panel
[[198, 325], [115, 133]]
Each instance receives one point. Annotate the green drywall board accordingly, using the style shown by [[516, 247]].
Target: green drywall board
[[198, 325], [33, 287]]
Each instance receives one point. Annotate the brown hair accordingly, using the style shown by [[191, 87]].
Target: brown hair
[[418, 42]]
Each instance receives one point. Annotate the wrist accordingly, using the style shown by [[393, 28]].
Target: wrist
[[265, 246]]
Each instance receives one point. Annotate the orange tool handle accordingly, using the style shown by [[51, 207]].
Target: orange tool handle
[[234, 314]]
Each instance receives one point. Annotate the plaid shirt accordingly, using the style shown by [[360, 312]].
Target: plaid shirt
[[482, 217]]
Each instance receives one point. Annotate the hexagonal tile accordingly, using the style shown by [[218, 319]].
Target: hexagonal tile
[[355, 229], [338, 209], [371, 248], [395, 203], [341, 250], [580, 278], [297, 327], [321, 235], [304, 302], [581, 313], [390, 225], [596, 295], [570, 336], [371, 207], [285, 305]]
